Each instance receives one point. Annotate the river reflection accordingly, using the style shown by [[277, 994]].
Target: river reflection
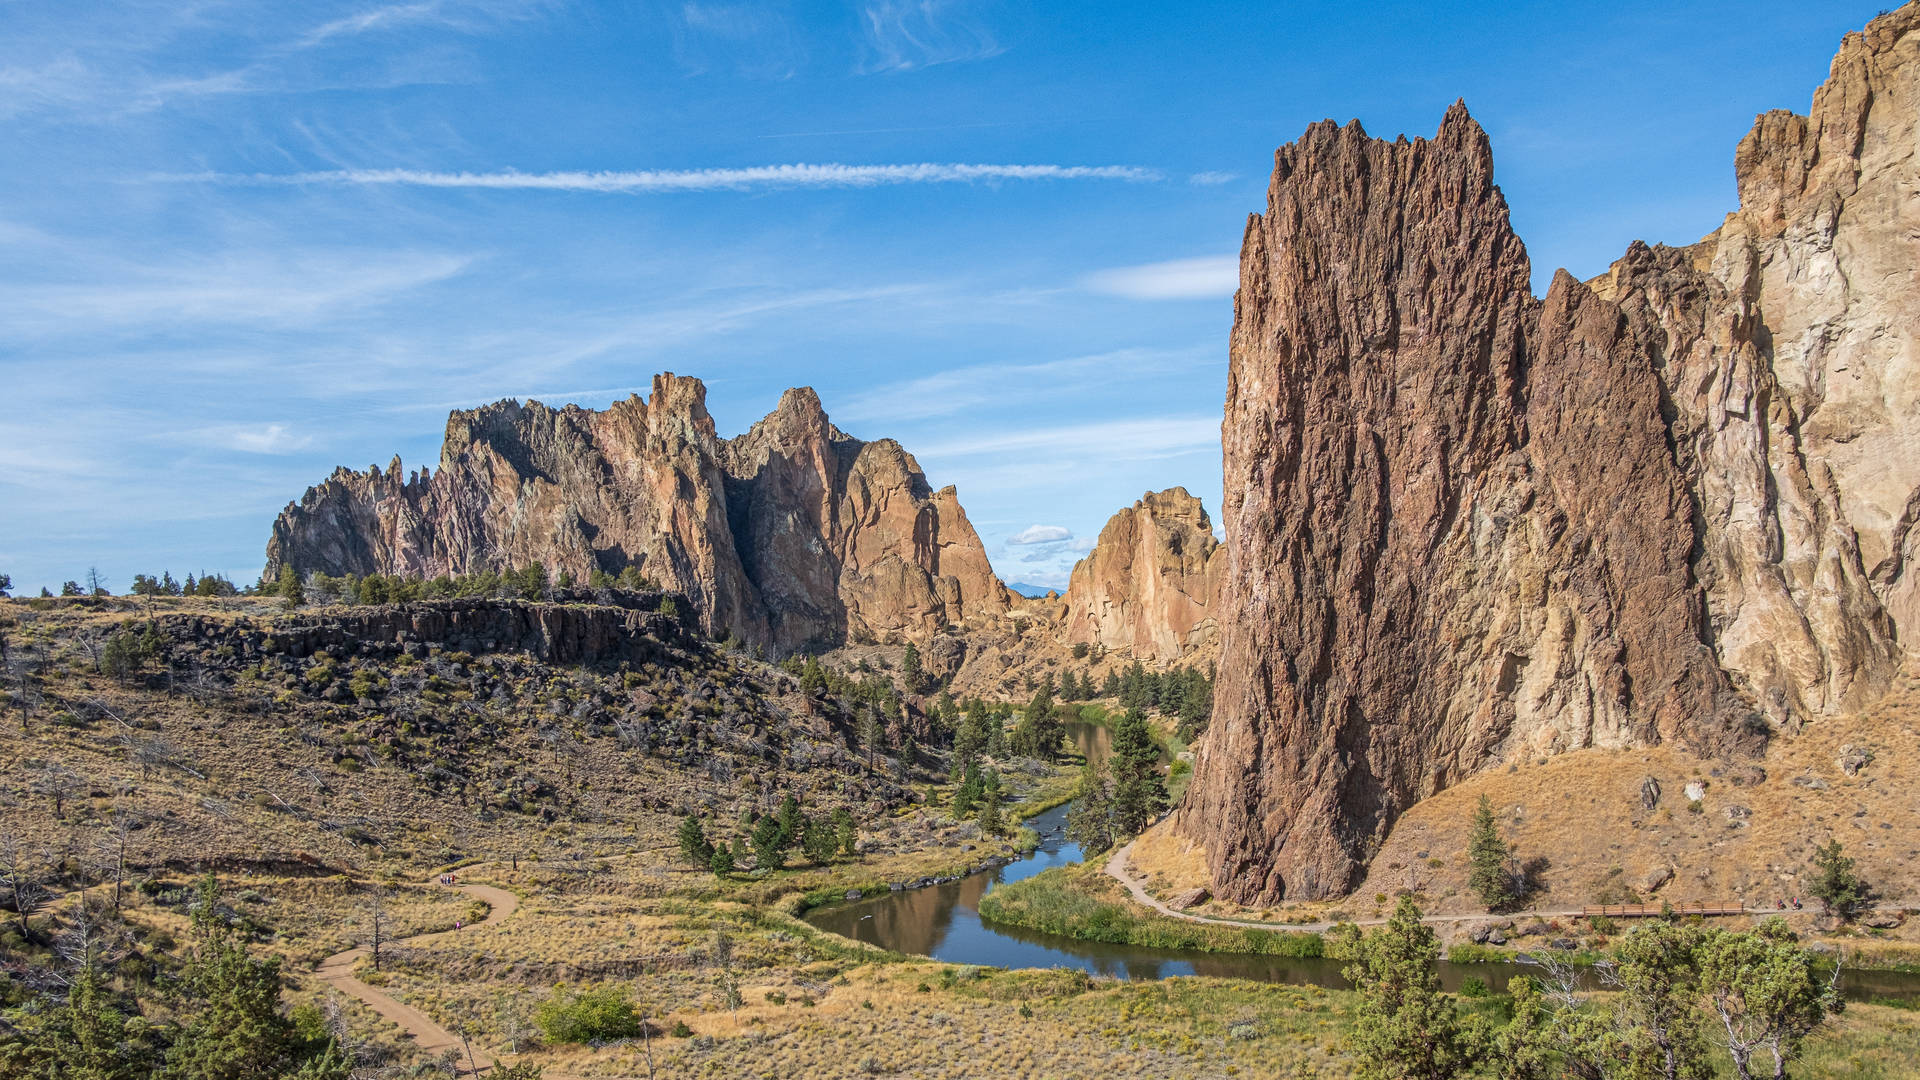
[[943, 922]]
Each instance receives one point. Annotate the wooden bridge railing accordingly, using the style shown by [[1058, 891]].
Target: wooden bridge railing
[[1654, 911]]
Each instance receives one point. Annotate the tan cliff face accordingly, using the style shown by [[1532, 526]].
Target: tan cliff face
[[1464, 525], [1148, 587], [793, 535]]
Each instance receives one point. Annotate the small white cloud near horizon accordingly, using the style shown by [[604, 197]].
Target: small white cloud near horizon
[[1212, 178], [1041, 534], [642, 181], [267, 439], [1205, 277]]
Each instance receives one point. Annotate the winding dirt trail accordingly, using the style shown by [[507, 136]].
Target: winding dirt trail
[[337, 971]]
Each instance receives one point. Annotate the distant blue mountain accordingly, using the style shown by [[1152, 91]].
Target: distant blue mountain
[[1031, 592]]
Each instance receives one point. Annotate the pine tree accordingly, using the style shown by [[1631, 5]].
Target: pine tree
[[288, 589], [722, 862], [769, 844], [848, 835], [967, 795], [1090, 822], [1487, 855], [910, 673], [990, 822], [813, 677], [1038, 735], [792, 822], [694, 846], [820, 840], [873, 733], [1139, 791]]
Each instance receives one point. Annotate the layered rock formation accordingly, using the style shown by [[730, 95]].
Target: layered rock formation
[[1149, 585], [793, 535], [1464, 525]]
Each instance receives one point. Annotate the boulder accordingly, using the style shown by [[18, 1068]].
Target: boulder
[[1854, 758], [1656, 879], [1191, 898], [1649, 793]]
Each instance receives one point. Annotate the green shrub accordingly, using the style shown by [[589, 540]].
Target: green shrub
[[596, 1015]]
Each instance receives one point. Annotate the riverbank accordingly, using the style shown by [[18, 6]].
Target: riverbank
[[1083, 902]]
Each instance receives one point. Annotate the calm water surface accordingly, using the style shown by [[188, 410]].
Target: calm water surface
[[943, 922]]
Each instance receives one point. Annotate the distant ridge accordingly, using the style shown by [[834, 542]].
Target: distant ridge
[[1031, 592]]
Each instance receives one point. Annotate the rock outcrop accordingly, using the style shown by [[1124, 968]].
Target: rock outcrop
[[793, 535], [1149, 585], [1464, 525], [575, 627]]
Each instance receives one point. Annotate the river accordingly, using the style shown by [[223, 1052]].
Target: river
[[943, 922]]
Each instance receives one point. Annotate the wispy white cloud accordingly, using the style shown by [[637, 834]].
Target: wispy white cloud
[[902, 35], [244, 288], [1212, 178], [378, 18], [1041, 534], [958, 389], [643, 181], [1205, 277], [1110, 440]]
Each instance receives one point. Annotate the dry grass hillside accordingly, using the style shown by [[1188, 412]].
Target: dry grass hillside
[[1585, 819], [160, 726]]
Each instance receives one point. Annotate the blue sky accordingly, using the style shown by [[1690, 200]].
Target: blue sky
[[242, 243]]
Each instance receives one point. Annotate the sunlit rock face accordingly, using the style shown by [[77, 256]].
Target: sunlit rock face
[[1465, 525], [793, 535]]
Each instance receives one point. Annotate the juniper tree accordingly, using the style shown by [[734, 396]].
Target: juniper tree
[[1835, 882], [1658, 976], [1766, 992], [1404, 1028], [722, 862], [237, 1032]]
